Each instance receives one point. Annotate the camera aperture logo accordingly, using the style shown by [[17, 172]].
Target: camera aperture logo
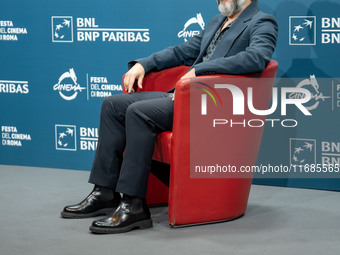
[[68, 86], [62, 29]]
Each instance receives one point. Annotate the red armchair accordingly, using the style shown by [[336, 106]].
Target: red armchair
[[202, 200]]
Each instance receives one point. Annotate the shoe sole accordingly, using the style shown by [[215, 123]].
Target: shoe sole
[[101, 212], [137, 225]]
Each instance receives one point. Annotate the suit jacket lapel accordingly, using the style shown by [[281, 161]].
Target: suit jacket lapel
[[228, 39], [208, 36]]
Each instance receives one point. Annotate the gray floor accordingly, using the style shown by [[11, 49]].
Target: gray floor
[[278, 221]]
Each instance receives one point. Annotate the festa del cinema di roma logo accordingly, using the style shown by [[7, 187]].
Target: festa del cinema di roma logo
[[68, 86], [97, 86], [239, 104], [313, 86], [188, 33]]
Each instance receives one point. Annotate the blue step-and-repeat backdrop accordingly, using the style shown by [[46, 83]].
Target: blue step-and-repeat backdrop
[[60, 59]]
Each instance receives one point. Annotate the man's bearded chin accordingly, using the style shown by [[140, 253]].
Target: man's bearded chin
[[229, 9]]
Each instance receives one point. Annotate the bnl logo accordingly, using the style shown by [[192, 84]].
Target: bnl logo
[[65, 137], [302, 151], [302, 30], [62, 29]]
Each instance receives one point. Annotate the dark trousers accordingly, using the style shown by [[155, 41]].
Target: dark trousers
[[130, 122]]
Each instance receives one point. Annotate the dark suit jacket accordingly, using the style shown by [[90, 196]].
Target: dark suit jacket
[[246, 47]]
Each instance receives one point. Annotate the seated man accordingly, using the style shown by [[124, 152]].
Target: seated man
[[241, 40]]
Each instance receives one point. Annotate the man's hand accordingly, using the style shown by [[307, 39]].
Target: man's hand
[[190, 74], [137, 72]]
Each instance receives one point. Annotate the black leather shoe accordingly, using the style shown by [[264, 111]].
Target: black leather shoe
[[101, 201], [132, 213]]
